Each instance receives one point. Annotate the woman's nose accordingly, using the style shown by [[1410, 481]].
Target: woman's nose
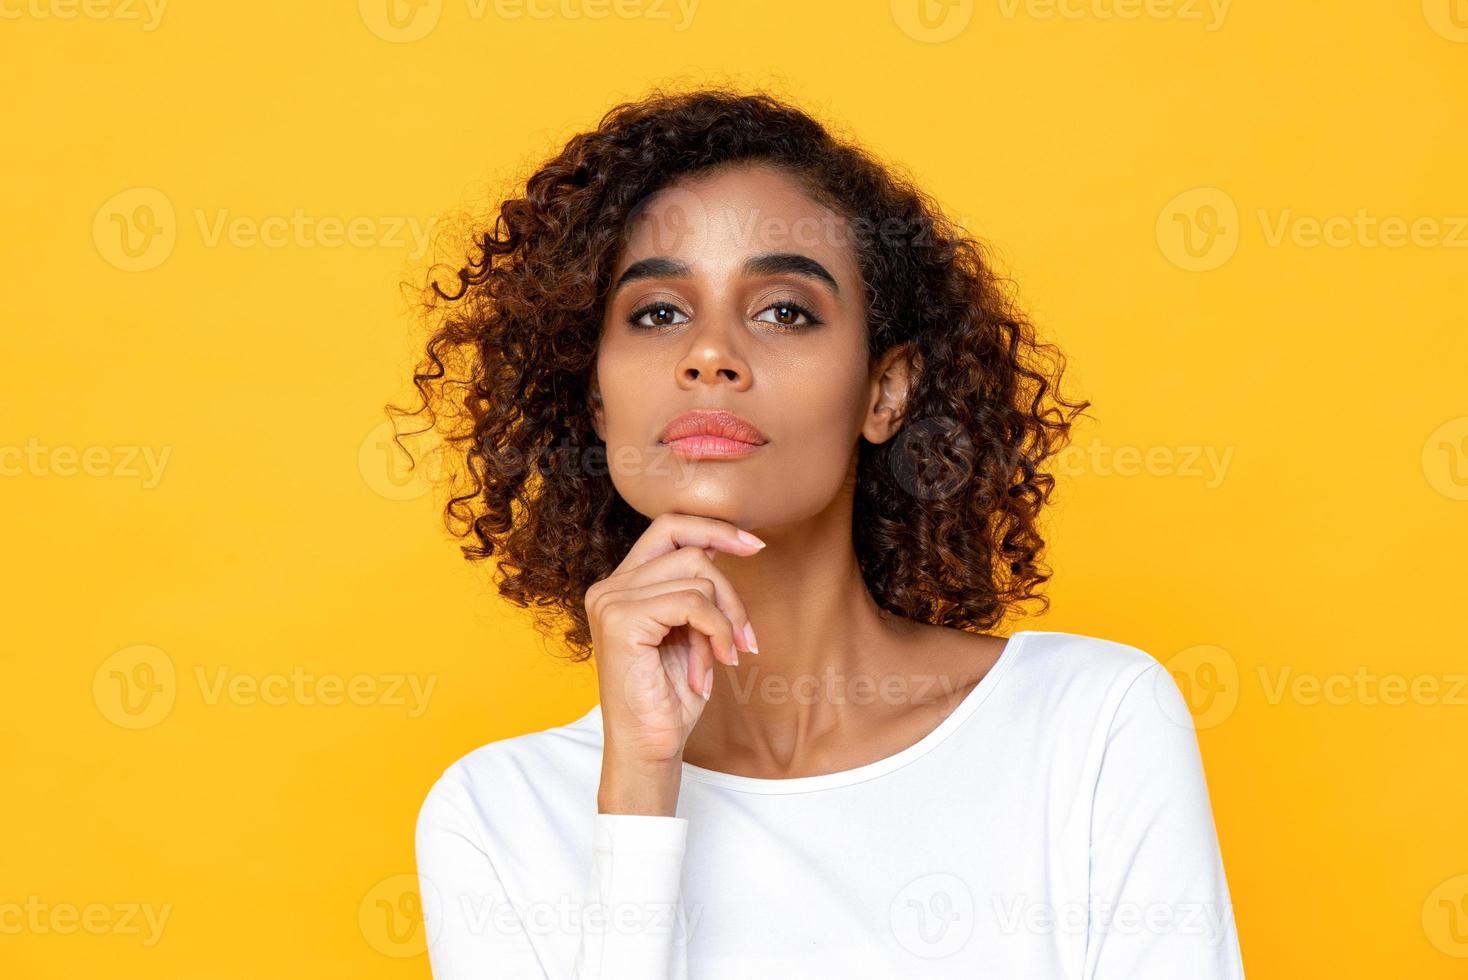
[[713, 354]]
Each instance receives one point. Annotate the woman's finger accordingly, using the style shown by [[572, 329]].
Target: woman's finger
[[692, 562], [661, 613], [725, 653], [671, 530]]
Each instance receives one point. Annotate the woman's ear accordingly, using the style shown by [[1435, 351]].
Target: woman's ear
[[892, 379]]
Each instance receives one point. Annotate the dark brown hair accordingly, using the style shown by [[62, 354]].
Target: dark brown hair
[[946, 512]]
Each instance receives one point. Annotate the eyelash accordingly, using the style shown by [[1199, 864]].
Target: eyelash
[[801, 310]]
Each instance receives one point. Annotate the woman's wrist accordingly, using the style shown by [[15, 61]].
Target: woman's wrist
[[639, 787]]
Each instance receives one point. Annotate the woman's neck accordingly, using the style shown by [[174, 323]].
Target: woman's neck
[[831, 660]]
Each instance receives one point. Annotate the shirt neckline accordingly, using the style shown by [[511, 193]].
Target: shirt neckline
[[871, 770]]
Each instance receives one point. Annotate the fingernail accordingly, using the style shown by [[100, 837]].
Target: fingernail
[[750, 643], [708, 683], [748, 538]]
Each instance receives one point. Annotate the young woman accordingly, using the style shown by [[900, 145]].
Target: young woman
[[718, 372]]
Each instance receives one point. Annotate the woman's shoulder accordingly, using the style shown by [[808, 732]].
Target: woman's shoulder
[[1077, 672], [1080, 656], [521, 775]]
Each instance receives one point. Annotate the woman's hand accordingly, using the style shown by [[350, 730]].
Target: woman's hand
[[658, 623]]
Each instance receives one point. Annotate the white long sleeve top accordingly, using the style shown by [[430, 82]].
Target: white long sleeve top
[[1056, 824]]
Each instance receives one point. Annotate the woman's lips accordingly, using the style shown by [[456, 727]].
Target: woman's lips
[[711, 434], [709, 447]]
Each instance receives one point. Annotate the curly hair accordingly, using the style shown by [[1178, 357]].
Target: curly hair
[[945, 513]]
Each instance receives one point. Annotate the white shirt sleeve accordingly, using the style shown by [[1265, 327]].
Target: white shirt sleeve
[[631, 922], [1160, 906], [636, 878]]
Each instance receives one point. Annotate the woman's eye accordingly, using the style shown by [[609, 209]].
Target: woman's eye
[[787, 315], [657, 315]]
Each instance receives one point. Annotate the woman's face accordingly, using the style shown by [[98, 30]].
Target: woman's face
[[738, 292]]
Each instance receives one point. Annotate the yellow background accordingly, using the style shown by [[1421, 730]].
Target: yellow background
[[1149, 174]]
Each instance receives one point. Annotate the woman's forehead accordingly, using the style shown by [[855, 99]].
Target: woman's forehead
[[714, 223]]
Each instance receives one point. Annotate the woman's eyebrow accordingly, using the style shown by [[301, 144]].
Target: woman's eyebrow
[[769, 264], [654, 268], [775, 263]]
